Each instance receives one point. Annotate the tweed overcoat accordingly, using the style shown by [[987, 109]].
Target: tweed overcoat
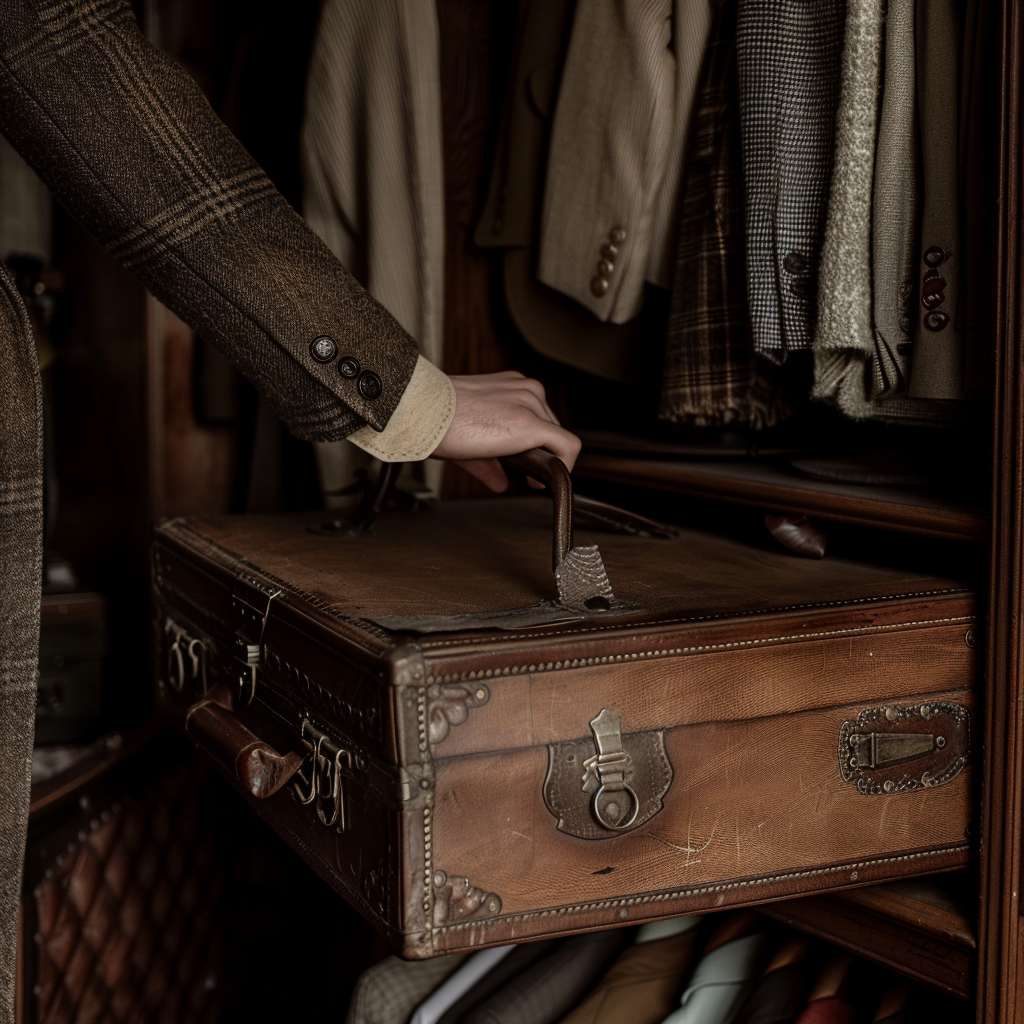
[[128, 144]]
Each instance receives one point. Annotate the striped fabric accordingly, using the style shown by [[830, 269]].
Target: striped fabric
[[21, 560], [127, 142], [711, 375], [788, 54]]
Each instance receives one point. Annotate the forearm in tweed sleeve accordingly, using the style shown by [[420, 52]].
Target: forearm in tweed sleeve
[[129, 145]]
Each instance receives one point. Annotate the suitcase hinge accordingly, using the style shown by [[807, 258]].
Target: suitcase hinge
[[320, 780], [250, 602]]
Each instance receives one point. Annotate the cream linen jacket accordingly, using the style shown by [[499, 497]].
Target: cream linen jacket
[[616, 155]]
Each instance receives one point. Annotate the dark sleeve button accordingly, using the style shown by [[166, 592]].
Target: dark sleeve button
[[617, 235], [323, 349], [369, 385], [598, 287], [605, 267], [609, 251], [795, 263], [349, 367], [936, 320], [934, 256]]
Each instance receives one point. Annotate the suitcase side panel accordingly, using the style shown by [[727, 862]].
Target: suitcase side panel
[[756, 809], [703, 679], [309, 674]]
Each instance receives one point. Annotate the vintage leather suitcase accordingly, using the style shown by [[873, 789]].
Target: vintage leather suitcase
[[469, 758]]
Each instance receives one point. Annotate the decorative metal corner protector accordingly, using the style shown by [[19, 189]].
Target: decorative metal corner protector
[[894, 749], [449, 705], [455, 900]]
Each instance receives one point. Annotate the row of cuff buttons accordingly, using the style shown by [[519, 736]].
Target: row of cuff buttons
[[368, 384], [606, 265]]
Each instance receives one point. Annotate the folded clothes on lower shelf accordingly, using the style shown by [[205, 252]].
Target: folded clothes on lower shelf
[[727, 968]]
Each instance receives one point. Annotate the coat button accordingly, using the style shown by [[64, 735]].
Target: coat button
[[605, 267], [936, 320], [934, 255], [794, 263], [598, 287], [349, 367], [369, 385], [609, 251], [617, 235], [323, 349]]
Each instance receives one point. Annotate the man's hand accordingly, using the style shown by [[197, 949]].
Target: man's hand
[[501, 414]]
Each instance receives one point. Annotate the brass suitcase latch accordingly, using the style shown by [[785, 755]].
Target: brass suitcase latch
[[615, 796]]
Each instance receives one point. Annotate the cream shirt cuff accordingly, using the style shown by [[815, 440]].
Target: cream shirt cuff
[[418, 424]]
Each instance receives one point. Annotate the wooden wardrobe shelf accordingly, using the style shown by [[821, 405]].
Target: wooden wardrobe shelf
[[917, 927], [763, 485]]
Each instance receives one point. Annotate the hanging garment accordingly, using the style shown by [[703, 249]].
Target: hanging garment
[[21, 567], [834, 1010], [721, 981], [711, 376], [848, 357], [827, 1003], [544, 992], [938, 367], [551, 323], [615, 161], [781, 991], [894, 208], [502, 974], [788, 61], [458, 984], [373, 173], [643, 984], [389, 991], [844, 342]]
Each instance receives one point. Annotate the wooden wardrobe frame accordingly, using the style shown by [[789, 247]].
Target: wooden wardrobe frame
[[1000, 926]]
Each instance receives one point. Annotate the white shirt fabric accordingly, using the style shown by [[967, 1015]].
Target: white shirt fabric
[[436, 1005]]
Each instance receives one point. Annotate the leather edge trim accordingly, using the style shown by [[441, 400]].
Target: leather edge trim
[[960, 852]]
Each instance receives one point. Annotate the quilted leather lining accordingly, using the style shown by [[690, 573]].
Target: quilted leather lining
[[129, 915]]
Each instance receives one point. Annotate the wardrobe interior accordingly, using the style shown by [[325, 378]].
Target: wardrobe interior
[[145, 420]]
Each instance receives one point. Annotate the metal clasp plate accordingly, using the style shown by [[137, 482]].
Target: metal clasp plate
[[896, 749], [250, 602], [625, 777], [613, 803], [324, 784]]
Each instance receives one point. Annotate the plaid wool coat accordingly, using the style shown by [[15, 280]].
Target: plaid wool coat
[[129, 145]]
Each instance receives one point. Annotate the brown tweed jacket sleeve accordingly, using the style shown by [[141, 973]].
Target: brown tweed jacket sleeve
[[129, 145]]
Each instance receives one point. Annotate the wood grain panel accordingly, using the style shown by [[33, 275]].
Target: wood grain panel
[[1001, 937], [763, 486]]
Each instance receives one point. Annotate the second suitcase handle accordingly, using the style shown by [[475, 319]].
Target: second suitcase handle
[[215, 729], [550, 470]]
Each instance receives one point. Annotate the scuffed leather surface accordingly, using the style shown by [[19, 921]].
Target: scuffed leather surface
[[467, 557]]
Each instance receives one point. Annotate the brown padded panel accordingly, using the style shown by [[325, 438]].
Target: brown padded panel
[[128, 922], [476, 556]]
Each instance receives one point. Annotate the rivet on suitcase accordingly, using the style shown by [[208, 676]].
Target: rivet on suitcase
[[472, 754]]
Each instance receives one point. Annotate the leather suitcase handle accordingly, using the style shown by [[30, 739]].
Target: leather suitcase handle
[[213, 728], [550, 470]]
